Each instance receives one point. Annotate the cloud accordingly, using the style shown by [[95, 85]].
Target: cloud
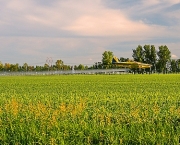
[[174, 56], [106, 23], [79, 31], [110, 22], [75, 18]]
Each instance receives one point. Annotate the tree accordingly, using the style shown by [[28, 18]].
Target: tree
[[1, 66], [98, 65], [178, 65], [81, 67], [38, 68], [153, 57], [86, 67], [66, 67], [173, 65], [138, 54], [147, 54], [107, 57], [59, 64], [14, 67], [25, 67], [75, 67], [46, 67], [31, 68], [150, 56], [7, 66], [164, 55]]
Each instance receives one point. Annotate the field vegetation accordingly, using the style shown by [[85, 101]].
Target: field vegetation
[[90, 109]]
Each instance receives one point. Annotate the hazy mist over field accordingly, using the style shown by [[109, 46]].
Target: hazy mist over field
[[80, 31]]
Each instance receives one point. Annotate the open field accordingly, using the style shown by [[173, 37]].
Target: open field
[[90, 109]]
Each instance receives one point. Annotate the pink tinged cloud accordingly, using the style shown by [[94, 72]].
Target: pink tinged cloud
[[109, 22], [174, 56], [94, 20]]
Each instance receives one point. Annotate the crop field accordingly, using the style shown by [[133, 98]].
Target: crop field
[[90, 109]]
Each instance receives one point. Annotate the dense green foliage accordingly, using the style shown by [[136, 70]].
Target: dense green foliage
[[159, 59], [90, 109], [107, 57]]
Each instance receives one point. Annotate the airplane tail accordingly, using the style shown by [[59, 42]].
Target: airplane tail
[[115, 60]]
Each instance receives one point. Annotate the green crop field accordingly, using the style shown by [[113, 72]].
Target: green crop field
[[90, 109]]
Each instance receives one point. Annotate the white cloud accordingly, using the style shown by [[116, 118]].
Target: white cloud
[[174, 56], [82, 30], [86, 18], [106, 23], [109, 22]]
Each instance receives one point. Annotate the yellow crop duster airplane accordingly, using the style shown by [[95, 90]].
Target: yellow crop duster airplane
[[130, 64]]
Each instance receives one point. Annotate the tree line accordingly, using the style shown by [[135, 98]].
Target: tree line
[[159, 59], [59, 65]]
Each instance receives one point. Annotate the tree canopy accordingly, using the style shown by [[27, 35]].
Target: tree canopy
[[107, 57]]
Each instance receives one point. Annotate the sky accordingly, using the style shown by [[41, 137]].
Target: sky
[[79, 31]]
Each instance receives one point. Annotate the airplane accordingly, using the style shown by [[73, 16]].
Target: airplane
[[130, 64]]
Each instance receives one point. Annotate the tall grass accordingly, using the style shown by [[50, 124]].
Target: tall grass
[[90, 109]]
